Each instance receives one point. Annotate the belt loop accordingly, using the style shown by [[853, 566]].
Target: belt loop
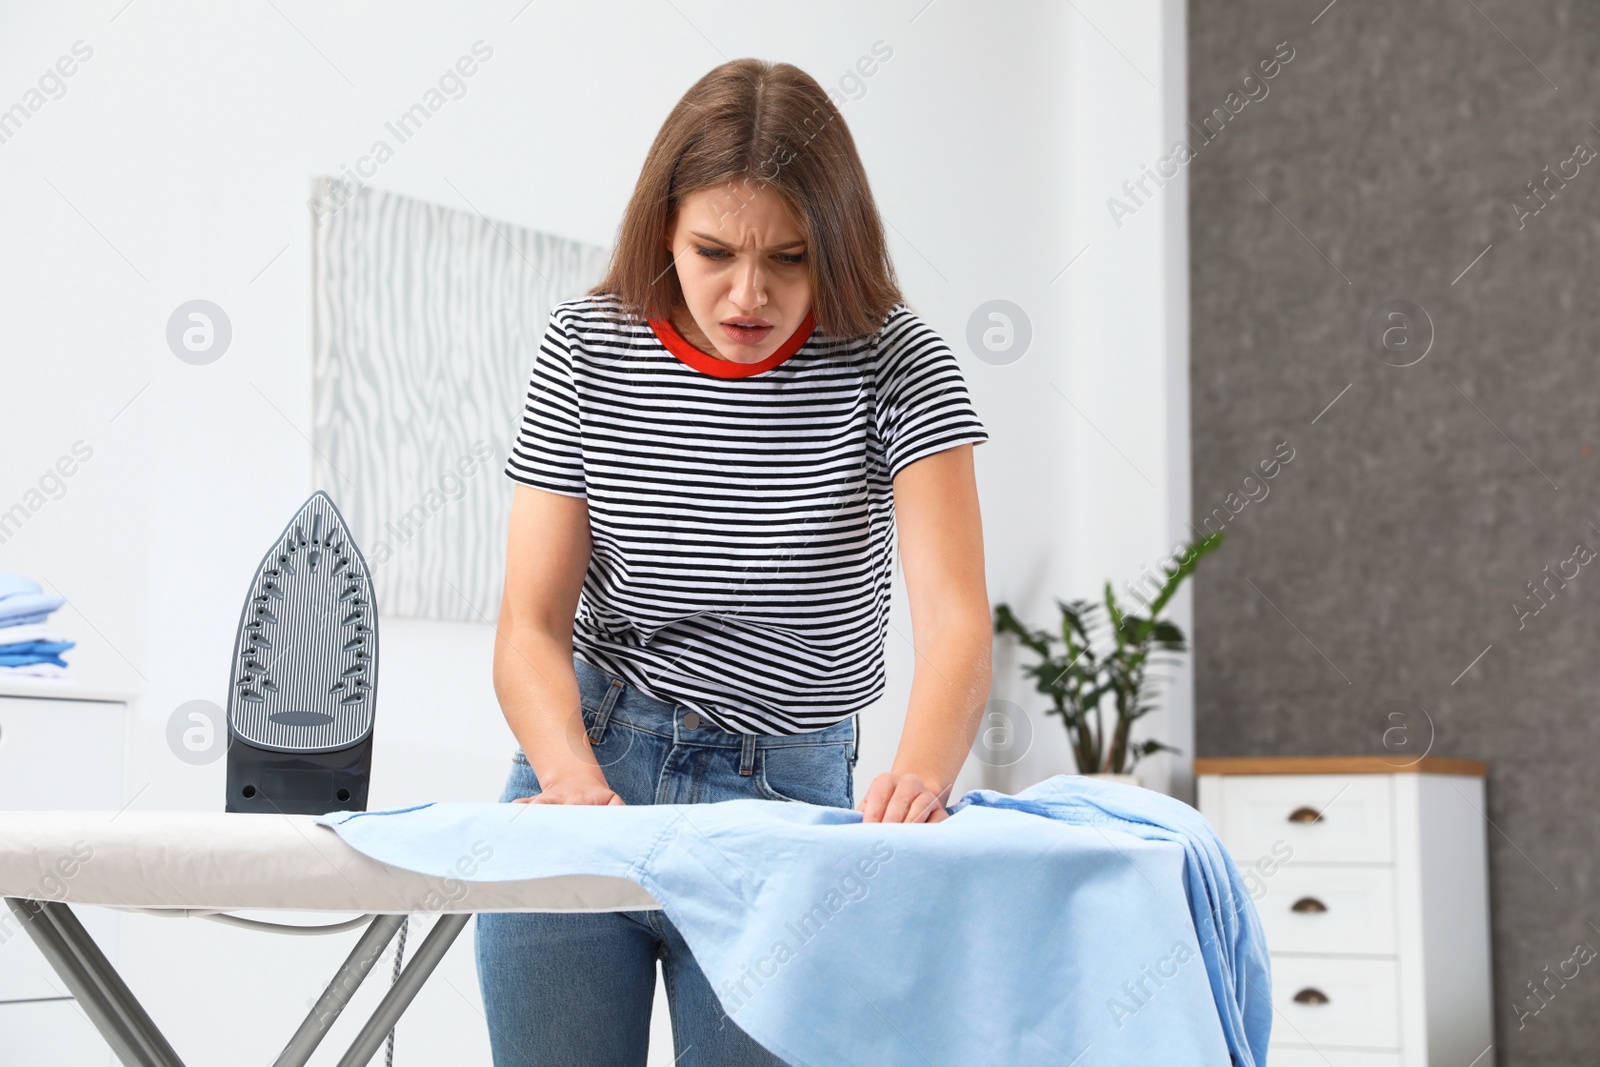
[[855, 736], [747, 755], [597, 732]]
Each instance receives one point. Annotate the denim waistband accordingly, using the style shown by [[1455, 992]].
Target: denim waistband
[[615, 699]]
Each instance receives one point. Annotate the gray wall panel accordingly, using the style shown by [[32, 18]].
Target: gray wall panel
[[1390, 552]]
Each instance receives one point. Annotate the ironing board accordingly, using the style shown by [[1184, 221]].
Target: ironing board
[[152, 861]]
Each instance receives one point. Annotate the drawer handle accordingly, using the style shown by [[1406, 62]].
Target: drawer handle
[[1305, 815], [1311, 995], [1309, 905]]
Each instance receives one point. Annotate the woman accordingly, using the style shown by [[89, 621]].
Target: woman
[[719, 442]]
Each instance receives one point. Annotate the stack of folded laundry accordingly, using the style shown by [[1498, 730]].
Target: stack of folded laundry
[[29, 646]]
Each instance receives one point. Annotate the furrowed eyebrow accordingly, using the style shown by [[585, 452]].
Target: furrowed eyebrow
[[712, 240]]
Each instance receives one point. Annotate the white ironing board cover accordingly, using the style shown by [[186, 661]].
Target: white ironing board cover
[[217, 861]]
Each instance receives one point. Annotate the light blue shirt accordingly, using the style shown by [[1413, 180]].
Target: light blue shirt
[[1078, 922]]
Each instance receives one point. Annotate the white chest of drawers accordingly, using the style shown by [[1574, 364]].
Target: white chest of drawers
[[1372, 886], [61, 746]]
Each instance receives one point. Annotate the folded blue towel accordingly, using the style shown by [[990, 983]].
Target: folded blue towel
[[13, 584], [22, 659], [51, 647], [23, 620], [23, 607], [1021, 930]]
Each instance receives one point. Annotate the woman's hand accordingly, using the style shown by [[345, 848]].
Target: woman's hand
[[582, 790], [901, 797]]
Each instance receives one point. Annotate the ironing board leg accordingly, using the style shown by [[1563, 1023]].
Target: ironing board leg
[[337, 996], [99, 990], [115, 1012], [400, 995]]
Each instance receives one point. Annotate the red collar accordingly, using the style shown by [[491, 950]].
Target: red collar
[[723, 368]]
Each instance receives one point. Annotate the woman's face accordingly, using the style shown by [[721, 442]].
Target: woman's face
[[742, 263]]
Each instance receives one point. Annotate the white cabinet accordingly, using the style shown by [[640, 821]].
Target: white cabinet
[[60, 747], [1372, 886]]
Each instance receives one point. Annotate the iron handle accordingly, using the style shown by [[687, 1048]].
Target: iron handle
[[1309, 905], [1305, 815], [1311, 995]]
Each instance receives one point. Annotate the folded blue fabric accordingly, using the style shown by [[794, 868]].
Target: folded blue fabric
[[13, 584], [22, 659], [51, 647], [23, 620], [21, 607], [1021, 930]]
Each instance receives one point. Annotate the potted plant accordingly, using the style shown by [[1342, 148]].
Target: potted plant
[[1080, 677]]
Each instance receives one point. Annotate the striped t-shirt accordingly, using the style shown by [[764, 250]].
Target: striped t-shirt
[[742, 515]]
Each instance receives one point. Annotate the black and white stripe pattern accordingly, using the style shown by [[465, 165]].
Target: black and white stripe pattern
[[743, 527]]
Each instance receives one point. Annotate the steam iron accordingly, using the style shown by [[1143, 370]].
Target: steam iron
[[304, 680]]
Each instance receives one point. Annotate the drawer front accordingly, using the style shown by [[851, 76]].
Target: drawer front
[[60, 754], [1285, 1056], [1353, 1003], [1308, 818], [1328, 909]]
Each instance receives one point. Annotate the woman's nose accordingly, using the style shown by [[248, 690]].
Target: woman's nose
[[749, 287]]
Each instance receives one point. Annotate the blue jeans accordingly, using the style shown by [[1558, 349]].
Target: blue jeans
[[575, 989]]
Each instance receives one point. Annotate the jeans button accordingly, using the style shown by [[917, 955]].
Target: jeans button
[[691, 721]]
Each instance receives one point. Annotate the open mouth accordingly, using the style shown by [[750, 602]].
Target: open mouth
[[747, 333]]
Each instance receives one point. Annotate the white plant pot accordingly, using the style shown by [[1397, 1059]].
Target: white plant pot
[[1125, 779]]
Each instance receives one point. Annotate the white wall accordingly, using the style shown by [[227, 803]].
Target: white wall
[[1094, 484], [1127, 350], [176, 166]]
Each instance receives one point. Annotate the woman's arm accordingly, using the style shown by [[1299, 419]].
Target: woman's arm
[[941, 552], [547, 556]]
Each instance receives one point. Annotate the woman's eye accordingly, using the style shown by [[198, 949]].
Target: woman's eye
[[788, 259]]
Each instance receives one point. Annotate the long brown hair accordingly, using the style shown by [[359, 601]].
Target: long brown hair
[[767, 125]]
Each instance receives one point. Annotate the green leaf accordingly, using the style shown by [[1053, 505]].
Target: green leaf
[[1167, 633], [1188, 559]]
